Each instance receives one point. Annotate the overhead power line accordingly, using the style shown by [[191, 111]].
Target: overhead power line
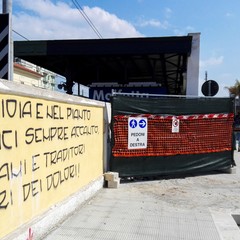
[[85, 16], [20, 35]]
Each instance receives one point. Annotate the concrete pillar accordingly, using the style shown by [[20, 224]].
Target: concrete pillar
[[192, 77]]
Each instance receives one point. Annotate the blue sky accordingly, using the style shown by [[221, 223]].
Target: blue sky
[[216, 20]]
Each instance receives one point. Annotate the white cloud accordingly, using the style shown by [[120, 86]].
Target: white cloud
[[153, 23], [168, 12], [184, 31], [179, 32], [109, 24], [190, 29], [212, 61], [49, 20]]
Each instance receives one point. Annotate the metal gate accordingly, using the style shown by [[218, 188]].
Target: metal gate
[[170, 135]]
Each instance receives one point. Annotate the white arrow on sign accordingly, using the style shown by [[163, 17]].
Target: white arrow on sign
[[142, 123]]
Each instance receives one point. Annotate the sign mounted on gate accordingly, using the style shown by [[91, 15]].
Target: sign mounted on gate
[[175, 125], [137, 132]]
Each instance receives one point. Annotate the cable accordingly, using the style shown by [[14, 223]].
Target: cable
[[20, 35], [85, 16], [75, 2], [90, 23]]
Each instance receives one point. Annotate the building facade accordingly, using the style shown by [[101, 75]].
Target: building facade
[[33, 75]]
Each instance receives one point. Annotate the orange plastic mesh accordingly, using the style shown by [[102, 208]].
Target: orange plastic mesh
[[197, 134]]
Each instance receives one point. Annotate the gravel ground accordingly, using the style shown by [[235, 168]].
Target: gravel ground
[[217, 191]]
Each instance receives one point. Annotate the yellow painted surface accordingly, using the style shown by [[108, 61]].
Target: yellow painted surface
[[48, 151]]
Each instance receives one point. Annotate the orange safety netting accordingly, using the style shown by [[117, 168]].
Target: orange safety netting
[[203, 133]]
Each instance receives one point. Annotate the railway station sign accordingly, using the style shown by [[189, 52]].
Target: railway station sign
[[104, 93]]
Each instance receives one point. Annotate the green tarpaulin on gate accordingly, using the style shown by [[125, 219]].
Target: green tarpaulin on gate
[[177, 163]]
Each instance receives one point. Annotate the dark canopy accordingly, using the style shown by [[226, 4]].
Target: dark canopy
[[160, 59]]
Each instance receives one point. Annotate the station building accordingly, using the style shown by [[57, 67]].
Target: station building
[[155, 65]]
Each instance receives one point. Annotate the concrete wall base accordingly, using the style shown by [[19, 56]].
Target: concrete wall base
[[44, 223], [232, 170]]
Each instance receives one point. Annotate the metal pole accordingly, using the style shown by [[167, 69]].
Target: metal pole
[[7, 8], [209, 88]]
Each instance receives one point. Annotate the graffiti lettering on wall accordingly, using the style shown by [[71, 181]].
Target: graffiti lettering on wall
[[43, 146]]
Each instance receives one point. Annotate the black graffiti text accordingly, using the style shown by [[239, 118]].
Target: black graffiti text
[[78, 131], [32, 189], [8, 139], [54, 112], [10, 171], [38, 135], [56, 179], [78, 114], [54, 157], [5, 199], [13, 108]]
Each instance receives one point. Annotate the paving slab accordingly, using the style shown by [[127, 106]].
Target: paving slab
[[187, 208], [125, 213]]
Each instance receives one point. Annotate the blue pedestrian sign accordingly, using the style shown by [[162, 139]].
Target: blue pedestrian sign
[[142, 123], [137, 132], [133, 123]]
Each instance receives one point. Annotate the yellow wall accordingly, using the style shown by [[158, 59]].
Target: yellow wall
[[48, 150]]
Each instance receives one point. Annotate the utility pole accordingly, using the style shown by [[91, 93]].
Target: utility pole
[[7, 9], [205, 75]]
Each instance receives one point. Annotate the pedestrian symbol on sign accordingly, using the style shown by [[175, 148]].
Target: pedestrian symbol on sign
[[133, 123]]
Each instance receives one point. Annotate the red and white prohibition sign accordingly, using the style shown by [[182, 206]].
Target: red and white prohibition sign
[[175, 125]]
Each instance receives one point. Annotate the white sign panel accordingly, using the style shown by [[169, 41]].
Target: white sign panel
[[175, 125], [137, 132]]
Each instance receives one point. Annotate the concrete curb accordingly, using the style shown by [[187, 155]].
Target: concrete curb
[[225, 224]]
